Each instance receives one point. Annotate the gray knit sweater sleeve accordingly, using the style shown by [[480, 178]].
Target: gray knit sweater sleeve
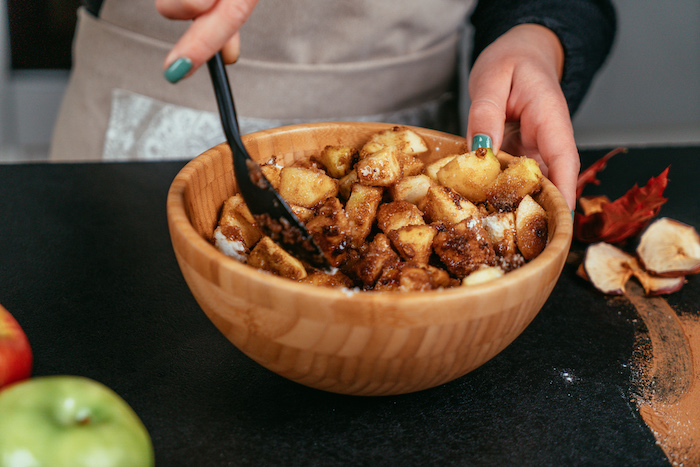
[[586, 29]]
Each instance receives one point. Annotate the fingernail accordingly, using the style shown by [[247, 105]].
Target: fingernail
[[572, 214], [481, 141], [178, 69]]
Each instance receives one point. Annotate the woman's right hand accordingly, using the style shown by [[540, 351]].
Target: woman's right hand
[[215, 26]]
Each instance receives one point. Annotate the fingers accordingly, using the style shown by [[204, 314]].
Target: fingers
[[563, 172], [212, 30], [487, 112], [517, 101], [183, 9], [557, 147], [232, 49]]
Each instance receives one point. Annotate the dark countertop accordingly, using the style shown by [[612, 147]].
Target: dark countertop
[[87, 268]]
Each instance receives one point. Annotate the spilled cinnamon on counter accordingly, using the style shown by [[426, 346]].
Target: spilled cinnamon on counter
[[667, 374]]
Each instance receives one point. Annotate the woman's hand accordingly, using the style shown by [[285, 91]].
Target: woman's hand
[[215, 26], [516, 100]]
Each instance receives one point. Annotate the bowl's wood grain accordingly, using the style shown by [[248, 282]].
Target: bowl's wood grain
[[367, 343]]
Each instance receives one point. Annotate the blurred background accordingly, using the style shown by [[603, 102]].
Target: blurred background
[[648, 92]]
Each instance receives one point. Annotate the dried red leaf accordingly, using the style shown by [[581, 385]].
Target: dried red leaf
[[626, 216], [589, 175]]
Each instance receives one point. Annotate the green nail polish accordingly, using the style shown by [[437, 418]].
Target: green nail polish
[[178, 69], [481, 141], [572, 214]]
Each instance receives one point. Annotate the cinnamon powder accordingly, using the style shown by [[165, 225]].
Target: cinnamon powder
[[667, 376]]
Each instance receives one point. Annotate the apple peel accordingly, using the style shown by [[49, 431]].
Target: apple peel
[[608, 221], [670, 248]]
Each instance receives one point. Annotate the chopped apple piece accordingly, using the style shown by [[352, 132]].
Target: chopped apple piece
[[304, 214], [397, 214], [338, 160], [404, 139], [432, 169], [522, 177], [271, 170], [607, 267], [377, 254], [346, 183], [670, 248], [236, 233], [361, 209], [412, 189], [381, 168], [335, 279], [471, 174], [414, 242], [306, 187], [501, 229], [530, 228], [410, 165], [442, 204], [329, 228], [415, 277], [269, 256], [484, 274], [464, 247]]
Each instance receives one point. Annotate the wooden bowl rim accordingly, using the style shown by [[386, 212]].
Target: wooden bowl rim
[[178, 220]]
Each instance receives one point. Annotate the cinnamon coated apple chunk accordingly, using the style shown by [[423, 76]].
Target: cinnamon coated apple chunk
[[444, 205], [269, 256], [330, 228], [465, 247], [405, 140], [361, 210], [390, 217], [414, 242], [338, 160], [236, 233], [306, 187], [381, 168], [396, 214]]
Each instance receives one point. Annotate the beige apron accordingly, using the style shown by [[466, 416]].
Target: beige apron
[[342, 60]]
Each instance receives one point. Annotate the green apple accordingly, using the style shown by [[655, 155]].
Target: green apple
[[70, 421]]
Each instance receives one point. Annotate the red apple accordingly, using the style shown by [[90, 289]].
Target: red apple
[[15, 352]]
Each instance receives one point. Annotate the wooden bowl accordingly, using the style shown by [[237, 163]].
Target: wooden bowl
[[364, 343]]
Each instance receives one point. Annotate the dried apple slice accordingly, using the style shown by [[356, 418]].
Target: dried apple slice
[[670, 248], [607, 267], [592, 204], [656, 285]]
